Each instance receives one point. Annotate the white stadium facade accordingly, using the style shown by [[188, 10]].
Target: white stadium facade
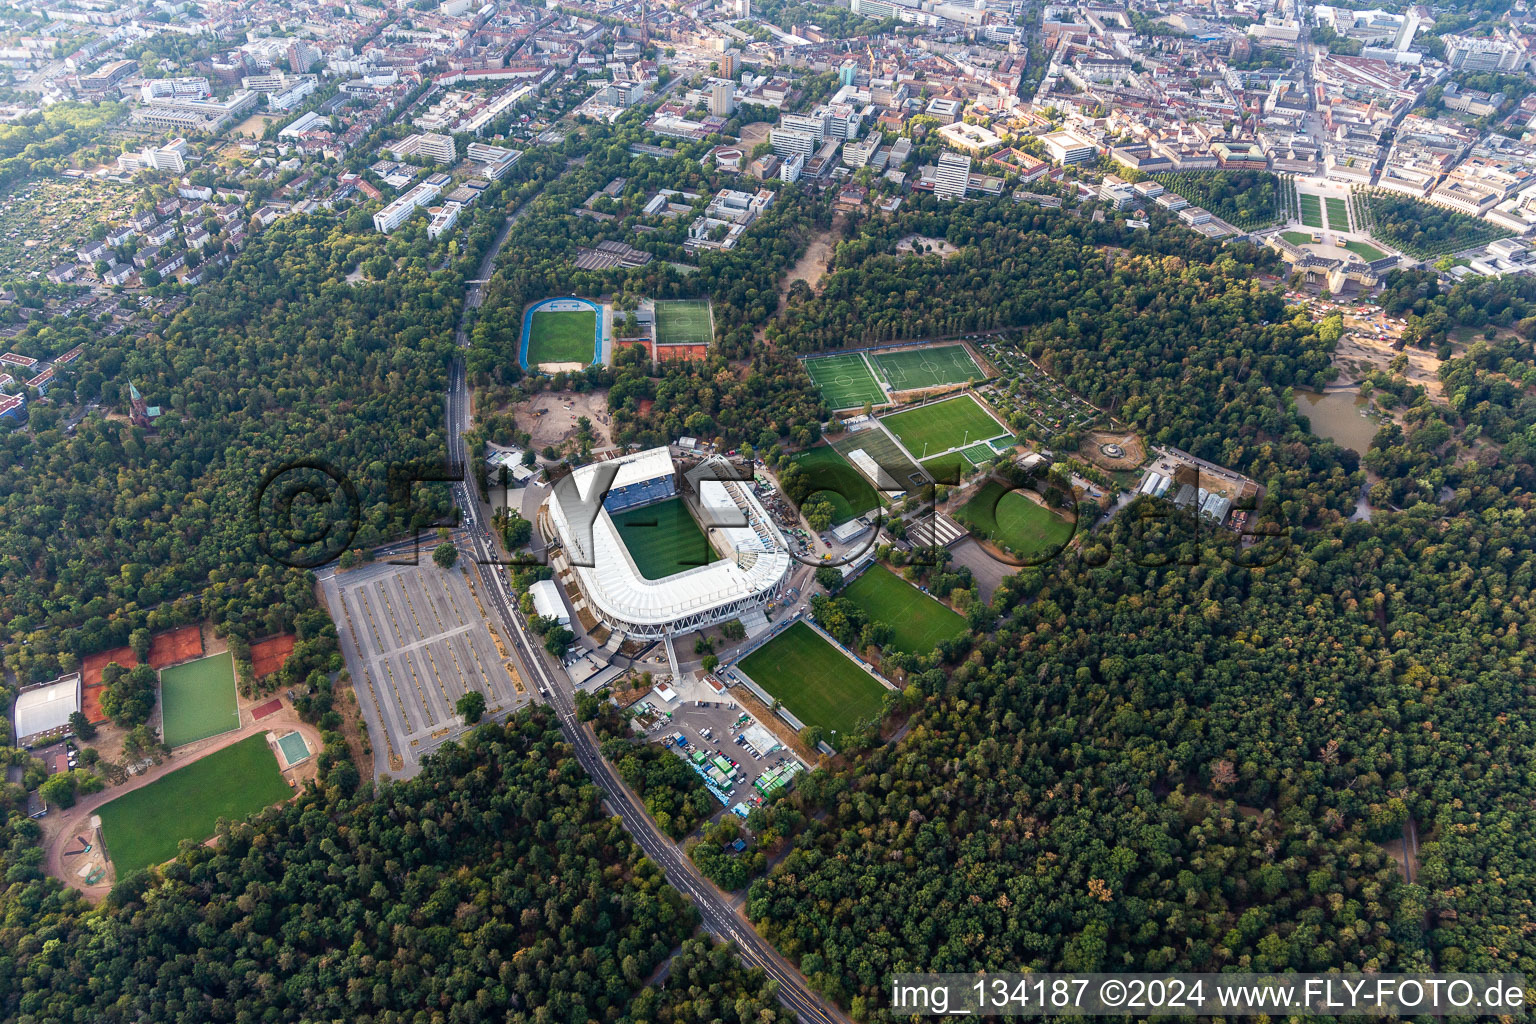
[[600, 574]]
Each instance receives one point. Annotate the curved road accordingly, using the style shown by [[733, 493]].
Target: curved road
[[719, 917]]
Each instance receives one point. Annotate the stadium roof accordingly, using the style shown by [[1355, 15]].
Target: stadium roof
[[615, 584], [47, 707]]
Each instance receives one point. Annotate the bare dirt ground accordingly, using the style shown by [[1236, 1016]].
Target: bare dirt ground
[[753, 134], [934, 246], [1361, 350], [550, 417], [812, 266], [254, 126], [1090, 449], [62, 826]]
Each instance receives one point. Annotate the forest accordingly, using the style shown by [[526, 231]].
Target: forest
[[492, 886]]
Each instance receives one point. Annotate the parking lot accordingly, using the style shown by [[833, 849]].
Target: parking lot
[[415, 641], [721, 727]]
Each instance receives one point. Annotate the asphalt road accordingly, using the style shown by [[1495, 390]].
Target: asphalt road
[[536, 665]]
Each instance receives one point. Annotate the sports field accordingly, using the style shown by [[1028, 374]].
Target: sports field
[[892, 470], [1338, 213], [1311, 210], [144, 827], [816, 681], [663, 539], [562, 336], [1015, 523], [913, 368], [953, 423], [844, 380], [198, 699], [918, 622], [834, 480], [684, 322]]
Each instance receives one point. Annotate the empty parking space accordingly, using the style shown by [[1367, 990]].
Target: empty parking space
[[415, 642]]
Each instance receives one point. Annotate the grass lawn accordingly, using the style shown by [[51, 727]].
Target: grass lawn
[[909, 369], [816, 681], [144, 827], [943, 425], [1297, 237], [198, 699], [844, 380], [683, 322], [919, 622], [1365, 250], [1311, 210], [949, 468], [562, 336], [1014, 522], [663, 539], [850, 494], [1338, 214]]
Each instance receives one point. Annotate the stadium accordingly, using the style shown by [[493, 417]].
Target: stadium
[[666, 552]]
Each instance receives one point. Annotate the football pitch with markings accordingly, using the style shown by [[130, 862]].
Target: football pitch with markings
[[845, 380], [911, 369], [684, 322], [663, 539]]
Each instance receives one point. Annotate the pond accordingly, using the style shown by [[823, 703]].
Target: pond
[[1339, 416]]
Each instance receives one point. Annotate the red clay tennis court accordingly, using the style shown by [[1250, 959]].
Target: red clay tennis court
[[176, 646], [90, 704], [267, 656], [92, 664], [271, 707]]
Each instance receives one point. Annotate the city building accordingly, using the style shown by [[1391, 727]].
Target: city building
[[46, 707], [722, 98], [399, 211], [953, 177]]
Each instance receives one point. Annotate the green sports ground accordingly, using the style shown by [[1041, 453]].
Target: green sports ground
[[663, 539], [562, 336], [842, 486], [918, 622], [845, 380], [197, 699], [684, 322], [916, 368], [146, 826], [816, 681], [1014, 522], [930, 429]]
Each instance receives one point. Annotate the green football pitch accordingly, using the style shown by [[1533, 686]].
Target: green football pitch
[[562, 336], [1015, 523], [684, 322], [663, 539], [930, 429], [837, 482], [844, 380], [918, 622], [197, 700], [910, 369], [144, 827], [816, 681], [1311, 210]]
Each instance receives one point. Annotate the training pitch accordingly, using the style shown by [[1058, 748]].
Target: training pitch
[[562, 336], [1015, 523], [197, 699], [146, 826], [836, 482], [954, 423], [684, 322], [918, 622], [845, 380], [663, 539], [915, 368], [816, 681]]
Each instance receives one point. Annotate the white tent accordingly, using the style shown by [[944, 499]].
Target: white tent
[[47, 707]]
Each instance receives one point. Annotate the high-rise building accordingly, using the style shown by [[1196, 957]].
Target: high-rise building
[[722, 98], [302, 56], [1464, 53], [954, 175], [730, 64], [788, 142]]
